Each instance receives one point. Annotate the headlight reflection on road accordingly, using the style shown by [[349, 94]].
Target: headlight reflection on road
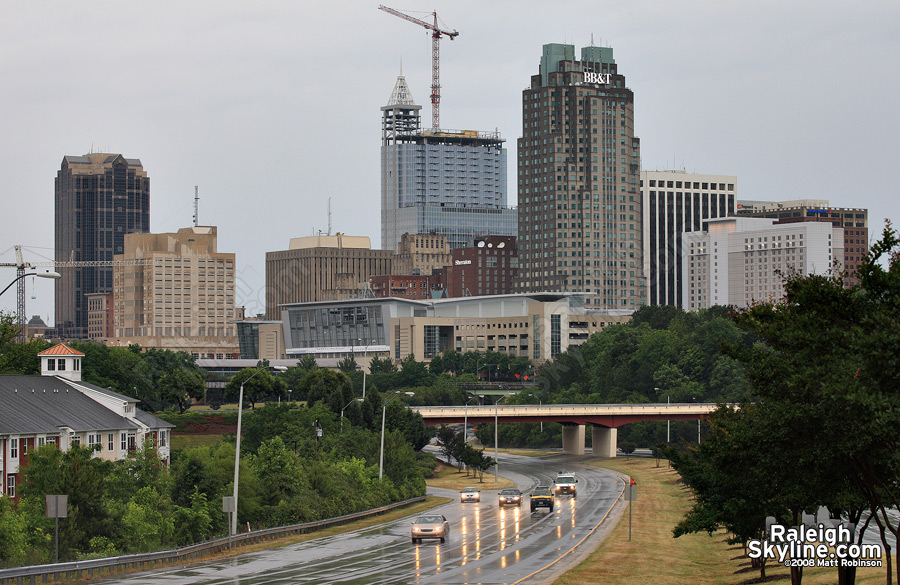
[[418, 560], [437, 557], [572, 508], [517, 517]]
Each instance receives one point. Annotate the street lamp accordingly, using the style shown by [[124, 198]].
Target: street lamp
[[237, 447], [48, 274], [345, 408], [668, 422], [496, 452], [466, 417], [365, 356], [383, 414]]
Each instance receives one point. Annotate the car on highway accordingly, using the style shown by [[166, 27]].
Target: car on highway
[[510, 497], [469, 494], [541, 497], [430, 526], [565, 484]]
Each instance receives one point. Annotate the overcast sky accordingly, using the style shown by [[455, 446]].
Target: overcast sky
[[272, 107]]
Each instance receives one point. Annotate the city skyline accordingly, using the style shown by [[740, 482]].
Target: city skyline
[[272, 109]]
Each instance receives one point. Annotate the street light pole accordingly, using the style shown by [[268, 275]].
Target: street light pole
[[237, 447], [496, 451], [345, 408], [466, 419], [365, 357], [383, 415], [20, 297]]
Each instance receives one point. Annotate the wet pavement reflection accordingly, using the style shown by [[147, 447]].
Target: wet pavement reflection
[[488, 544]]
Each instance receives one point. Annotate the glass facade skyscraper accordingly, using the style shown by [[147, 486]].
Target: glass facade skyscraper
[[449, 182], [99, 198]]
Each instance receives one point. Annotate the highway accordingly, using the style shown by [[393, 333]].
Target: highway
[[487, 545]]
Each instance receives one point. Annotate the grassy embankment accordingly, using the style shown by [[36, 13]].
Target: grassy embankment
[[654, 556]]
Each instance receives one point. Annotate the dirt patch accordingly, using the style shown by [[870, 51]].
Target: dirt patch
[[207, 428]]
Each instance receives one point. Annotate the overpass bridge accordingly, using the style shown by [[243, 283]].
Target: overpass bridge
[[605, 418]]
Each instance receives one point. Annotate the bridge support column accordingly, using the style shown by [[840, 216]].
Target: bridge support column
[[573, 439], [604, 441]]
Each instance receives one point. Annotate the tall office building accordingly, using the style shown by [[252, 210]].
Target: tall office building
[[677, 202], [580, 209], [100, 197], [182, 297], [448, 182]]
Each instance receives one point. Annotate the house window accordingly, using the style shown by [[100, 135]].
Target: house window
[[76, 440], [51, 365], [11, 486], [61, 365], [162, 438], [110, 441], [24, 446], [41, 441], [14, 448], [132, 444], [123, 445]]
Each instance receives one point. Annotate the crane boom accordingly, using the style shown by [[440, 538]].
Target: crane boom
[[21, 265], [436, 34]]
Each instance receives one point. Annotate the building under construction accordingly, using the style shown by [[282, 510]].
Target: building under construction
[[447, 182]]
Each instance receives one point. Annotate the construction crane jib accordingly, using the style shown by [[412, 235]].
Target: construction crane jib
[[436, 34]]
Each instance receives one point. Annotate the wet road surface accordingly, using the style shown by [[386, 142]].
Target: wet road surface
[[487, 545]]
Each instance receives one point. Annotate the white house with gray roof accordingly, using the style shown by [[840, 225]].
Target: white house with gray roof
[[58, 408]]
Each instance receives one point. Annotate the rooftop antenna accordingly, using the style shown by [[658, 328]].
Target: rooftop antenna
[[329, 216], [196, 205]]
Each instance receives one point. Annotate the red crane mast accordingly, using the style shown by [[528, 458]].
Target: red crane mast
[[436, 34]]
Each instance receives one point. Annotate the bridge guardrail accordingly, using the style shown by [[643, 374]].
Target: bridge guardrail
[[95, 567]]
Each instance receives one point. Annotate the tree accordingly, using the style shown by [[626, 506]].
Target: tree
[[448, 442], [821, 427], [258, 385], [332, 388], [181, 386], [348, 364], [477, 460]]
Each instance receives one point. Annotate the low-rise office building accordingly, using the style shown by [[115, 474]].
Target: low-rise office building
[[538, 326], [322, 268]]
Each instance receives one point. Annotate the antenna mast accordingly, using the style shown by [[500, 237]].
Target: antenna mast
[[329, 216], [196, 205]]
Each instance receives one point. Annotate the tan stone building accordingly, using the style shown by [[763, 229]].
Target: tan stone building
[[100, 318], [183, 298], [419, 254], [322, 268]]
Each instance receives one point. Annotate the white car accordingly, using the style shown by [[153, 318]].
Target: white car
[[469, 494]]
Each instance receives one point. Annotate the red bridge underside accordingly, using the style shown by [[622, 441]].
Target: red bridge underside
[[611, 421]]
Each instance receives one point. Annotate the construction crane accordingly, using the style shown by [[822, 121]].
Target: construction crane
[[436, 34], [20, 266]]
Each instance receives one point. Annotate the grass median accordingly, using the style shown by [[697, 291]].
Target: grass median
[[655, 556]]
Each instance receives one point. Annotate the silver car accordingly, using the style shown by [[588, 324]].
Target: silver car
[[433, 526], [469, 494]]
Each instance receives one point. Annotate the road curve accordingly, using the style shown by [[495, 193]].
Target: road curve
[[487, 545]]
